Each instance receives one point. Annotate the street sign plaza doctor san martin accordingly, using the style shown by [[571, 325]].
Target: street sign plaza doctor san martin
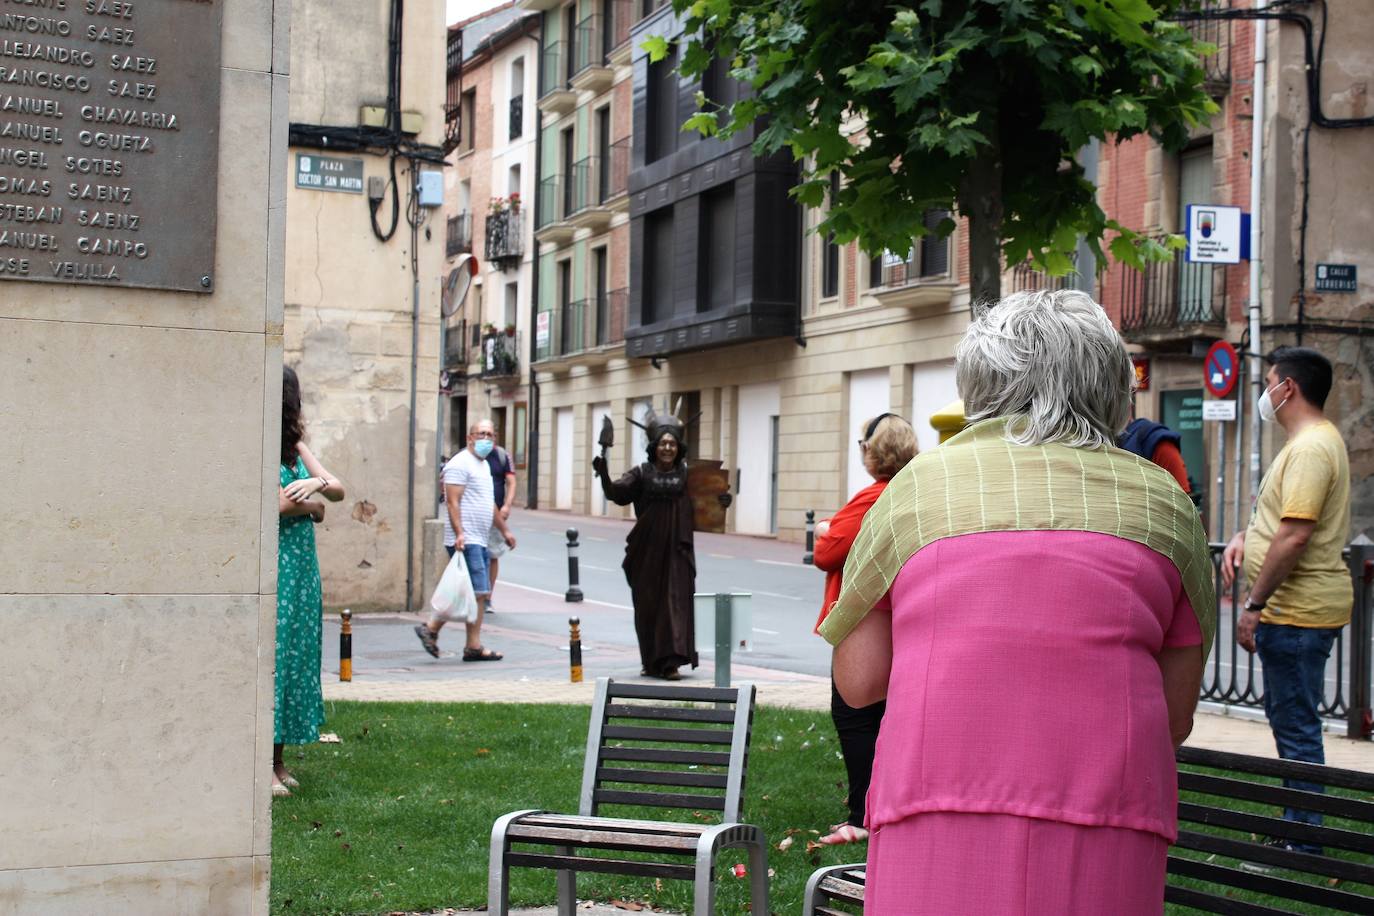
[[109, 142]]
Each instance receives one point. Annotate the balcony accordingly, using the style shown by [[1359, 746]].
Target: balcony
[[614, 190], [456, 347], [555, 96], [555, 200], [1216, 67], [517, 117], [1174, 302], [505, 244], [500, 355], [586, 209], [590, 70], [588, 332], [459, 235], [918, 279], [452, 100], [1025, 278]]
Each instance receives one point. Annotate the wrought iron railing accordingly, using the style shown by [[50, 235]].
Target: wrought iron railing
[[554, 75], [459, 237], [1216, 67], [517, 116], [453, 94], [1234, 677], [927, 259], [1173, 295], [552, 201], [500, 354], [505, 242], [1025, 278]]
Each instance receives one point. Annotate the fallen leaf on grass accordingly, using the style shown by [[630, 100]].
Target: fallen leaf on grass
[[315, 825], [445, 801], [785, 845], [338, 833], [658, 885], [345, 846], [481, 752], [331, 738], [627, 905]]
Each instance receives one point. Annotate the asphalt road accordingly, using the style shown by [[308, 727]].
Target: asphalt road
[[786, 594]]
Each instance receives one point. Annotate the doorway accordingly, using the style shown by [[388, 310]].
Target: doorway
[[870, 394], [563, 455], [755, 499], [1181, 411]]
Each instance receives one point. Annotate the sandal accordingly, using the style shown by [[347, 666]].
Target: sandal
[[279, 790], [671, 674], [481, 654], [428, 639], [844, 833]]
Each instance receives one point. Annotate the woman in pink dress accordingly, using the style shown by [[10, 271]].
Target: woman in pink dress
[[1035, 605]]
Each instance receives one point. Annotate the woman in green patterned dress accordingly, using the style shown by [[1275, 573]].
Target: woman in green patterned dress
[[299, 709]]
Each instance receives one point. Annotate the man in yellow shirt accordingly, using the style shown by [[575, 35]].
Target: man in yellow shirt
[[1300, 590]]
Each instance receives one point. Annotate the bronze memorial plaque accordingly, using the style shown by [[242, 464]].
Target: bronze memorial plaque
[[109, 141]]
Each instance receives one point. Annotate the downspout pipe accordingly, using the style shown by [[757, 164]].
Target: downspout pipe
[[1258, 89], [532, 411]]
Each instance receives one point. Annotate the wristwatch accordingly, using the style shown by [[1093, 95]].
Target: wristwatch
[[1254, 606]]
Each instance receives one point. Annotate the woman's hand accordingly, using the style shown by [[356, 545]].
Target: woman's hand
[[301, 490]]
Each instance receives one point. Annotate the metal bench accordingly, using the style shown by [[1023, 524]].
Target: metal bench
[[1221, 863], [631, 745], [1231, 837]]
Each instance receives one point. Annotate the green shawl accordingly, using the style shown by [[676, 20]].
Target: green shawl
[[978, 481]]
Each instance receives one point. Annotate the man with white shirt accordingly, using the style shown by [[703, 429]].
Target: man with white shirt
[[468, 496]]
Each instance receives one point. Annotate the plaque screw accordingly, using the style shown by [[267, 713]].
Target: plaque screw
[[205, 282]]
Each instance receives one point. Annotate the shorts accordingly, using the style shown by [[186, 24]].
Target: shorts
[[496, 543], [475, 555]]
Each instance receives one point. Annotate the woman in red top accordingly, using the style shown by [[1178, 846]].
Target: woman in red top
[[887, 445]]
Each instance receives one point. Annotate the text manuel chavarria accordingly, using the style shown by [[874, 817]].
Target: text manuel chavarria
[[109, 141]]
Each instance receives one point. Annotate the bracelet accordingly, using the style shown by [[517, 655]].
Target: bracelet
[[324, 483]]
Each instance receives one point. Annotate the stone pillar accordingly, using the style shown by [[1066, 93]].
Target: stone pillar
[[139, 437]]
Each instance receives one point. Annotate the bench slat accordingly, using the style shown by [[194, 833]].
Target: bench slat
[[676, 735], [1212, 903], [604, 866], [670, 713], [1267, 766], [1297, 861], [661, 777], [839, 889], [659, 799], [624, 840], [1335, 805], [666, 755], [578, 822], [829, 911], [621, 689], [1341, 901], [1276, 826]]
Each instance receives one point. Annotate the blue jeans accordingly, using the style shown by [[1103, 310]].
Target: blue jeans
[[1294, 660], [478, 561]]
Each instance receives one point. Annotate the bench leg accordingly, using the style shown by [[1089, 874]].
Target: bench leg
[[704, 888], [567, 887], [758, 876], [498, 869]]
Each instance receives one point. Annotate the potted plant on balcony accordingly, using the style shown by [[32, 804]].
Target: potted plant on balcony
[[510, 330]]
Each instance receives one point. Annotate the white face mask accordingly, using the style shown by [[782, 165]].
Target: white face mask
[[1265, 405]]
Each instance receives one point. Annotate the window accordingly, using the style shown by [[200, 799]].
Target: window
[[517, 448], [716, 265], [468, 123], [603, 153], [599, 274], [830, 252], [664, 124], [498, 425], [516, 112], [658, 266], [717, 85], [513, 181], [512, 303], [565, 158], [934, 250]]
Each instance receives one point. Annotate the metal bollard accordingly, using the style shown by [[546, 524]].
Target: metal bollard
[[575, 648], [574, 592], [346, 646], [809, 558], [1359, 716]]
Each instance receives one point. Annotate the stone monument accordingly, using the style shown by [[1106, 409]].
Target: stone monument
[[142, 191]]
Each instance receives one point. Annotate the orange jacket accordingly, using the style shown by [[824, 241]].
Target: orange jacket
[[833, 549]]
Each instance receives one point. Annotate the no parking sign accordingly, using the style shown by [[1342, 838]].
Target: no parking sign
[[1219, 369]]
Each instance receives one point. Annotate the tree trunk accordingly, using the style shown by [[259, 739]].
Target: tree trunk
[[980, 199]]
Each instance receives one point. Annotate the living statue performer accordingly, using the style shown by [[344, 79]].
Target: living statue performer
[[660, 564]]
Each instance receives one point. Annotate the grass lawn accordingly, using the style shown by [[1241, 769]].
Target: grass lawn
[[398, 816]]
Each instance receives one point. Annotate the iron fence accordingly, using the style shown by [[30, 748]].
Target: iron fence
[[1025, 278], [500, 354], [1216, 67], [1234, 677], [1173, 294]]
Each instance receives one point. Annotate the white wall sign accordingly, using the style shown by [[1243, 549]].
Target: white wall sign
[[541, 329], [1219, 410], [1213, 234]]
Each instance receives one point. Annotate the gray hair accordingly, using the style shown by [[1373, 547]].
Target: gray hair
[[1051, 363]]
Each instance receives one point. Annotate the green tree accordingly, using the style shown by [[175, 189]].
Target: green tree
[[973, 105]]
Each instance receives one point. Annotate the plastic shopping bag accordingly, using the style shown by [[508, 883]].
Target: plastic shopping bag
[[453, 598]]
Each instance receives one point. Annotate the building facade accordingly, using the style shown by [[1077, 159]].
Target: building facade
[[492, 83], [736, 312], [1315, 207], [364, 262]]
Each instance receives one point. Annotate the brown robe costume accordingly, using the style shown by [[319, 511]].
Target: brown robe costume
[[660, 563]]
